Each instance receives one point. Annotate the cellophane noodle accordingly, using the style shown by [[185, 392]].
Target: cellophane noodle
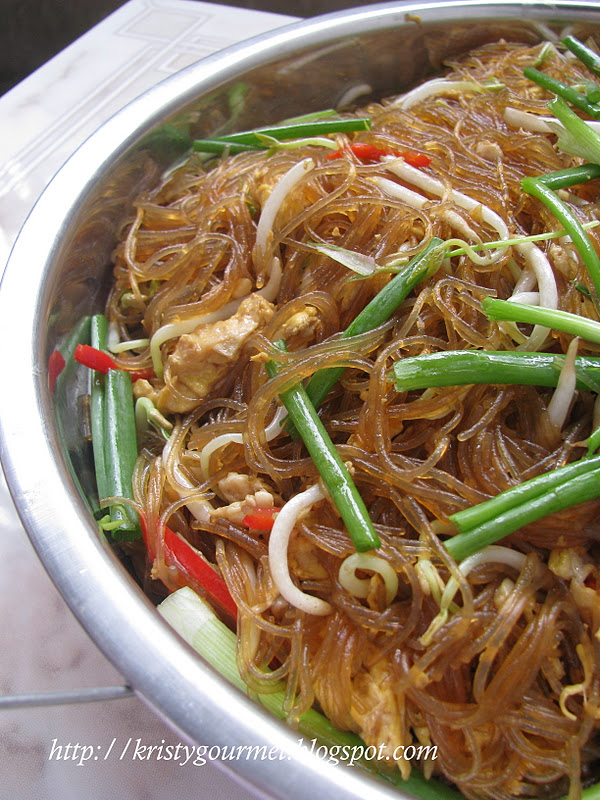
[[508, 687]]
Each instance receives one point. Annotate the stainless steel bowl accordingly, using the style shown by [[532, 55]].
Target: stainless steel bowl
[[58, 273]]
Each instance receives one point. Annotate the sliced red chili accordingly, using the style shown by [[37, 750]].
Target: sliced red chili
[[416, 159], [93, 358], [56, 364], [192, 568], [371, 153], [260, 519], [100, 361], [190, 561]]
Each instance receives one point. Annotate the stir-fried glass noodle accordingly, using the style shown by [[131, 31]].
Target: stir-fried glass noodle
[[493, 659]]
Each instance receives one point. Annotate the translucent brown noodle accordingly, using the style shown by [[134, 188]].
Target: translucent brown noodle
[[491, 688]]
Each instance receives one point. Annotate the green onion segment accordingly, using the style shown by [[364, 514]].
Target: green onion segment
[[379, 310], [301, 403], [466, 367], [482, 512], [563, 178], [487, 522], [330, 466], [258, 139], [509, 311], [585, 54], [98, 339], [561, 89], [575, 137], [114, 438], [538, 188]]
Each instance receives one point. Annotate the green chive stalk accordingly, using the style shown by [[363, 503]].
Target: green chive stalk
[[120, 451], [593, 442], [509, 311], [575, 137], [585, 54], [561, 89], [487, 522], [301, 130], [258, 139], [591, 793], [114, 438], [565, 494], [466, 367], [563, 178], [99, 340], [330, 466], [379, 310], [538, 188], [518, 496]]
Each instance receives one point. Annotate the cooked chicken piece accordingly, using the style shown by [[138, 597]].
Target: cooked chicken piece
[[237, 485], [237, 509], [303, 560], [300, 327], [203, 360], [564, 260], [377, 710], [143, 388]]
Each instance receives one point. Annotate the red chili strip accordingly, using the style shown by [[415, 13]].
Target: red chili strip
[[94, 359], [193, 568], [260, 519], [100, 361], [190, 561], [371, 153], [416, 159], [56, 364]]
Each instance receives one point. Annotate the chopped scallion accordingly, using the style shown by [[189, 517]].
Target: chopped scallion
[[379, 310], [120, 450], [114, 439], [585, 54], [538, 188], [563, 178], [575, 136], [466, 367], [334, 473], [98, 339], [593, 442], [561, 89], [301, 130], [261, 138], [518, 495], [508, 311], [530, 501]]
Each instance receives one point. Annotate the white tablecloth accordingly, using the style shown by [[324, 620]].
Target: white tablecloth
[[42, 647]]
